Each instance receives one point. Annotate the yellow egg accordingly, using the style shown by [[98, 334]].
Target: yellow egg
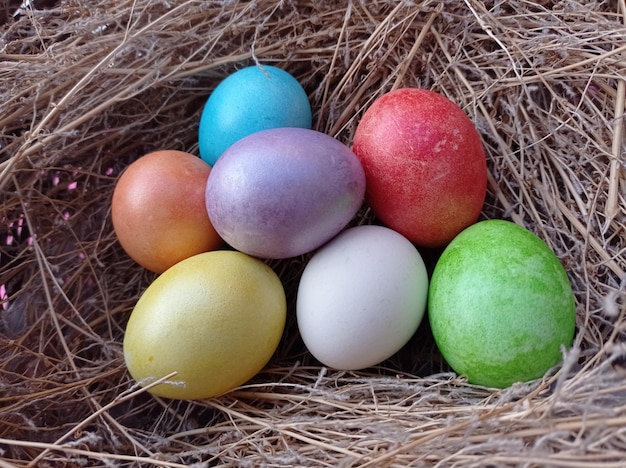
[[215, 319]]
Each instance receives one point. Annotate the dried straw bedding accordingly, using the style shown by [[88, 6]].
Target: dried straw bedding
[[88, 87]]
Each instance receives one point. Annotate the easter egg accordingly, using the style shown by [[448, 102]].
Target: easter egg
[[500, 305], [283, 192], [251, 99], [425, 165], [361, 297], [215, 319], [158, 209]]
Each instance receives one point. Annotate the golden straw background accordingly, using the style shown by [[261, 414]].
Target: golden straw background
[[87, 87]]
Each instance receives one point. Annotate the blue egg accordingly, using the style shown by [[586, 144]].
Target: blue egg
[[252, 99]]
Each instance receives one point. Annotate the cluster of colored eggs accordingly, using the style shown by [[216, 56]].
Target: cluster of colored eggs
[[267, 186]]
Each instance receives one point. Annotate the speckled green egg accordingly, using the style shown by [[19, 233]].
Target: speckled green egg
[[500, 305]]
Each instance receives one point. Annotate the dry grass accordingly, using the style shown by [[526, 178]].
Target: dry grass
[[89, 86]]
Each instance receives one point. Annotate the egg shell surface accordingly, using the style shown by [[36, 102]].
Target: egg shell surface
[[215, 319], [251, 99], [158, 209], [500, 305], [284, 192], [361, 297], [425, 165]]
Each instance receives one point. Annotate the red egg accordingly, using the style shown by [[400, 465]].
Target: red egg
[[424, 164]]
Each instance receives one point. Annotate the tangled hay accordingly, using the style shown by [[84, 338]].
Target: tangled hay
[[87, 87]]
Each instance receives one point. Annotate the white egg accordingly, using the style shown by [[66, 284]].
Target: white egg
[[361, 297]]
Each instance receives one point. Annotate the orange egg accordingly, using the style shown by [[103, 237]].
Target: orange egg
[[158, 209]]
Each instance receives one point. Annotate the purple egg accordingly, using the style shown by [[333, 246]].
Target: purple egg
[[284, 192]]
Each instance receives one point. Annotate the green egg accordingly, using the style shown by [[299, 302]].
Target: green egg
[[500, 305]]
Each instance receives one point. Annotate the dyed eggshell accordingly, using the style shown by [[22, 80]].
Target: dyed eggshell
[[500, 305], [425, 165], [361, 297], [158, 209], [215, 319], [283, 192], [250, 100]]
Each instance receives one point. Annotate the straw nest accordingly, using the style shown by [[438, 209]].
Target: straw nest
[[87, 87]]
